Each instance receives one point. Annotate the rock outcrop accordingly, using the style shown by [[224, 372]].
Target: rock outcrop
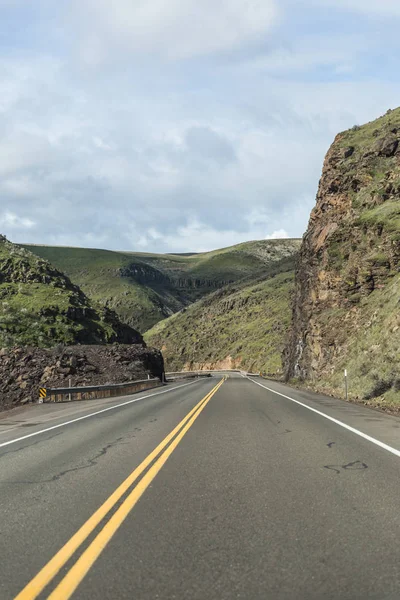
[[346, 311], [24, 370]]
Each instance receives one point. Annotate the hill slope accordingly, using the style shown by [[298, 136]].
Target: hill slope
[[241, 326], [146, 288], [39, 306], [346, 309]]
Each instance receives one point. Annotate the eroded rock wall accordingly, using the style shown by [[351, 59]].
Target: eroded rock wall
[[348, 265]]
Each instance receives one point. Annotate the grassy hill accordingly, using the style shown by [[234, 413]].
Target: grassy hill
[[241, 326], [370, 348], [145, 288], [39, 306]]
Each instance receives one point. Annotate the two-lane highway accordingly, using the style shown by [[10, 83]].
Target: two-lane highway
[[213, 489]]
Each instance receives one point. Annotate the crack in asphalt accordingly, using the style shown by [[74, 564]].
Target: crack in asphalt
[[91, 462], [357, 465]]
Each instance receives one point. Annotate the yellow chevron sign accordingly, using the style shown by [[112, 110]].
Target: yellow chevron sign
[[43, 393]]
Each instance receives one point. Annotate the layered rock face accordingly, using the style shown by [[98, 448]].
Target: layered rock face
[[148, 275], [346, 311]]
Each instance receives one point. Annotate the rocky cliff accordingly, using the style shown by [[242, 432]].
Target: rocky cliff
[[148, 275], [40, 306], [346, 311]]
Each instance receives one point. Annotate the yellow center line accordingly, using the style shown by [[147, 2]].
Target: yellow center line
[[50, 570], [68, 585]]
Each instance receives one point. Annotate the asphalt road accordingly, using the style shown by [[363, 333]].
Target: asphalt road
[[258, 494]]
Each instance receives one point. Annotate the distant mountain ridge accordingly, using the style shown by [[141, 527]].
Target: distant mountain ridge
[[145, 288]]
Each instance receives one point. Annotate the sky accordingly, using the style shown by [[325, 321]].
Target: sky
[[179, 125]]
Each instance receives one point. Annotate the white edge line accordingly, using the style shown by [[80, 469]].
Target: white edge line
[[348, 427], [98, 412]]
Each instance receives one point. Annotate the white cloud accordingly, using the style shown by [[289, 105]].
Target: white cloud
[[281, 234], [179, 155], [167, 175], [368, 7], [99, 143], [172, 29], [196, 236], [304, 53], [22, 186], [12, 221]]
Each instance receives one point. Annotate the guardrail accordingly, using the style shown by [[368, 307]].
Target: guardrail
[[97, 391], [93, 392], [186, 375], [207, 373]]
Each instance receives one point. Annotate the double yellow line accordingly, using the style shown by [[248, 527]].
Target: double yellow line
[[77, 572]]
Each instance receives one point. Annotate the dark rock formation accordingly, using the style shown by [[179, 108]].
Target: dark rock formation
[[24, 370], [148, 275]]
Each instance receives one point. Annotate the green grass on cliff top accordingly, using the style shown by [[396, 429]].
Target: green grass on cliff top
[[364, 136], [22, 322], [34, 313]]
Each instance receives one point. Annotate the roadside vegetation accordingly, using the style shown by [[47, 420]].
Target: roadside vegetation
[[39, 306], [370, 351], [241, 326]]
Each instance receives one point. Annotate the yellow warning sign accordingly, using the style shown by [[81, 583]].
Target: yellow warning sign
[[43, 393]]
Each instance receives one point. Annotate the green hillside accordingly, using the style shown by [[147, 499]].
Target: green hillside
[[371, 348], [40, 306], [242, 326], [146, 288]]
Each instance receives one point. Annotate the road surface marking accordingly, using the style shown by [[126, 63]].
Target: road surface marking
[[98, 412], [68, 585], [50, 570], [348, 427]]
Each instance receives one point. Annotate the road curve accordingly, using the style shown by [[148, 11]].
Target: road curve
[[213, 490]]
